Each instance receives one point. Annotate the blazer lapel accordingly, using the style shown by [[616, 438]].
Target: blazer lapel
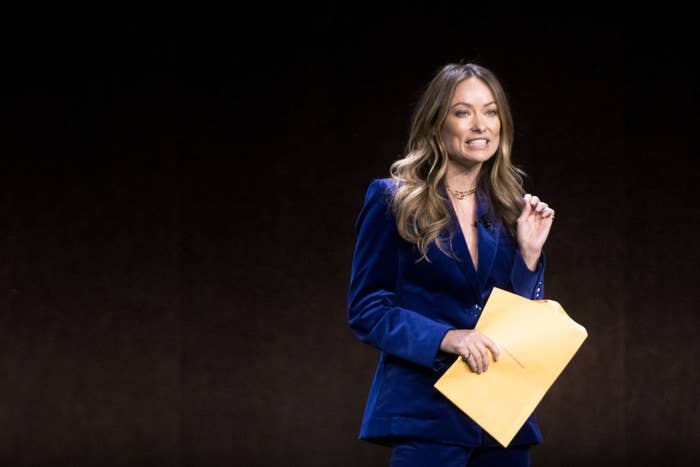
[[488, 234]]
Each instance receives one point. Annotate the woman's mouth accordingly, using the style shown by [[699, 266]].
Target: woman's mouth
[[477, 142]]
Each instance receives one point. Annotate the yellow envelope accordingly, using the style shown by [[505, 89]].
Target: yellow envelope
[[537, 340]]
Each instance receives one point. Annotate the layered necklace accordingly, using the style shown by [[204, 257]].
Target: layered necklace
[[461, 194]]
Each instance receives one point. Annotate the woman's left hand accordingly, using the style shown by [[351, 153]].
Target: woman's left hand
[[533, 226]]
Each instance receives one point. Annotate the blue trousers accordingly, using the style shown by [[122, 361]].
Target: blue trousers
[[414, 453]]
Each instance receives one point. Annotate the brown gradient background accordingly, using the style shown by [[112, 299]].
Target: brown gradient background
[[177, 230]]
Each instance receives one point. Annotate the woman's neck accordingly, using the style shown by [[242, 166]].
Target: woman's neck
[[459, 177]]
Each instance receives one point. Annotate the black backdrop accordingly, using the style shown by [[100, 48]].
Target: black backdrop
[[177, 229]]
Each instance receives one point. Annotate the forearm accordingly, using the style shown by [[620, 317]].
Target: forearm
[[393, 329], [527, 276]]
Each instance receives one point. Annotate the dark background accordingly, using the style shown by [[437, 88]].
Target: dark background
[[178, 202]]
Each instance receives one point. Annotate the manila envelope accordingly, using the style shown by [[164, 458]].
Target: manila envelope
[[537, 339]]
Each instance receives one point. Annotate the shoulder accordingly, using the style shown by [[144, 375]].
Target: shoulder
[[376, 209], [383, 185], [381, 190]]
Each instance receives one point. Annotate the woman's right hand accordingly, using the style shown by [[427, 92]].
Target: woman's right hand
[[472, 345]]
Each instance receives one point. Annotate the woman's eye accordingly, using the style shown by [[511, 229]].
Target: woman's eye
[[492, 113], [461, 113]]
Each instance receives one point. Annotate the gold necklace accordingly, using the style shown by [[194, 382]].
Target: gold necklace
[[461, 194]]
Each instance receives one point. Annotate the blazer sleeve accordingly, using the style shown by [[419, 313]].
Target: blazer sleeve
[[526, 283], [372, 312]]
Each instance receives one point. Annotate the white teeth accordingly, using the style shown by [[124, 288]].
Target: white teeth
[[477, 142]]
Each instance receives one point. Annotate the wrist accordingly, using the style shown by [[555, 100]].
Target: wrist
[[448, 343], [531, 257]]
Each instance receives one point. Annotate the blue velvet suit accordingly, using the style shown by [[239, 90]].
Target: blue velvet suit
[[404, 307]]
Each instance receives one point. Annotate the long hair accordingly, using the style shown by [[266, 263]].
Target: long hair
[[420, 209]]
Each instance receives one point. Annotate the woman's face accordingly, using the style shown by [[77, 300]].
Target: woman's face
[[472, 129]]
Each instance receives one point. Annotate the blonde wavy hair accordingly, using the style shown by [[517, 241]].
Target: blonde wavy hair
[[420, 209]]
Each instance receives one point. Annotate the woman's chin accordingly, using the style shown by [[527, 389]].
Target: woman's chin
[[474, 158]]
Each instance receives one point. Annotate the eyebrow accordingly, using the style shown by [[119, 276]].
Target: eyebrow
[[469, 105]]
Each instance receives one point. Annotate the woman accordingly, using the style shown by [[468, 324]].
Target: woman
[[432, 241]]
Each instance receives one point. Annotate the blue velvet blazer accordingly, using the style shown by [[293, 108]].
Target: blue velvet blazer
[[404, 307]]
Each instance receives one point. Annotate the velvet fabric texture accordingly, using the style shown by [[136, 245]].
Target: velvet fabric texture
[[404, 307]]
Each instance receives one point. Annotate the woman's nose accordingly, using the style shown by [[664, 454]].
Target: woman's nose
[[477, 125]]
